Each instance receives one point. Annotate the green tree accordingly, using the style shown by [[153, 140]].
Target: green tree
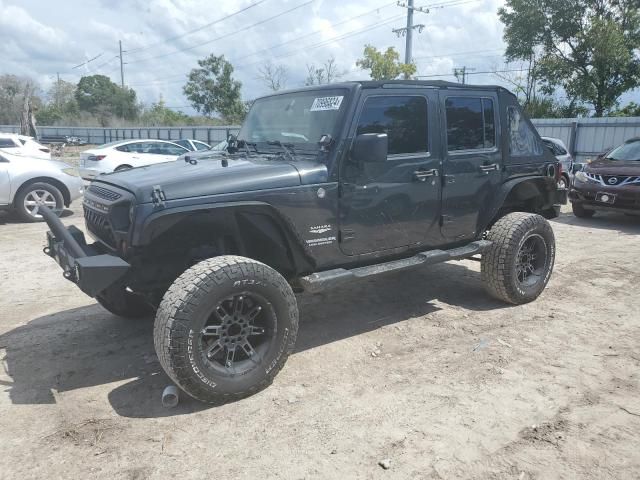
[[587, 47], [629, 110], [98, 95], [159, 115], [212, 90], [384, 66], [548, 107]]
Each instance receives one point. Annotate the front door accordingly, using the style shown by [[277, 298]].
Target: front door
[[395, 203], [473, 161]]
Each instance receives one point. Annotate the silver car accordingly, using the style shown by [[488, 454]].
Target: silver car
[[27, 183], [561, 152]]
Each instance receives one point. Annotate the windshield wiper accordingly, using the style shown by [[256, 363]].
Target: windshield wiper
[[246, 146], [287, 148]]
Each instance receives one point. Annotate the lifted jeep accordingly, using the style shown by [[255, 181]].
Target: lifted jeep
[[322, 186]]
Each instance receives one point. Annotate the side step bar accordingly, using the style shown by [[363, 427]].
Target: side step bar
[[318, 282]]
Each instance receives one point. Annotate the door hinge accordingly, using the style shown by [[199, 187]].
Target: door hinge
[[157, 196]]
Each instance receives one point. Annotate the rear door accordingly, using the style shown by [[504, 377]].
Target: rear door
[[392, 204], [473, 161]]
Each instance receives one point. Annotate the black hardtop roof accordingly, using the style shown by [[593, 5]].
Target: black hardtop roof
[[409, 84]]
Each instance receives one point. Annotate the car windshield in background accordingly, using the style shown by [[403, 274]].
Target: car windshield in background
[[627, 152], [295, 118]]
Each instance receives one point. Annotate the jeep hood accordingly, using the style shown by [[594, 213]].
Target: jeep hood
[[613, 167], [181, 179]]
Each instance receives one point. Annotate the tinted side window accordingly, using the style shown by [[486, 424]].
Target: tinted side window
[[184, 143], [201, 146], [403, 119], [523, 141], [470, 123], [7, 143], [124, 148], [168, 149]]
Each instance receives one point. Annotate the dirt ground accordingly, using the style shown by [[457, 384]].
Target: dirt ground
[[421, 368]]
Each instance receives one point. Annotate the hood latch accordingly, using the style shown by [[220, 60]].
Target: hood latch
[[157, 196]]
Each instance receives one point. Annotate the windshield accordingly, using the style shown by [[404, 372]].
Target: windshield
[[627, 152], [298, 118]]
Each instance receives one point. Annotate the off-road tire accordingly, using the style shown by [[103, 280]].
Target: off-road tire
[[122, 303], [581, 212], [25, 190], [499, 266], [189, 305]]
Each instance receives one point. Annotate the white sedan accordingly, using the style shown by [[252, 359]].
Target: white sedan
[[15, 144], [125, 154]]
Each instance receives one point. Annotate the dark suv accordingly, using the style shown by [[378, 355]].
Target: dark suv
[[610, 183], [321, 187]]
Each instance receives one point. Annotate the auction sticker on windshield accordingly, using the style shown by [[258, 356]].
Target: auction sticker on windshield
[[326, 103]]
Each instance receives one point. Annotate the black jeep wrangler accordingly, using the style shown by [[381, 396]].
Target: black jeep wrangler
[[321, 187]]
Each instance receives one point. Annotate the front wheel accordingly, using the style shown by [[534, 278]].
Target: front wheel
[[225, 328], [517, 267], [35, 196]]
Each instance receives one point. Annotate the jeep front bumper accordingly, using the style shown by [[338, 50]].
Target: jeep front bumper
[[85, 265]]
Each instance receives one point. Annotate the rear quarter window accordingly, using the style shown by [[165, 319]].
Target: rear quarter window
[[523, 141]]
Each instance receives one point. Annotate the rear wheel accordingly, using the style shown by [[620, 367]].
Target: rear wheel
[[225, 328], [30, 198], [122, 168], [581, 212], [517, 267]]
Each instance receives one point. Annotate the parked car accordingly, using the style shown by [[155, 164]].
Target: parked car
[[62, 139], [22, 145], [322, 187], [559, 149], [193, 145], [28, 183], [126, 154], [610, 183]]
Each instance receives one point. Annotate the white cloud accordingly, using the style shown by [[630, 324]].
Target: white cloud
[[39, 40]]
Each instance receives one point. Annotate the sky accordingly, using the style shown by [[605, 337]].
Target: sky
[[163, 39]]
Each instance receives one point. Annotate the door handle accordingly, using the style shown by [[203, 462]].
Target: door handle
[[422, 175], [489, 168]]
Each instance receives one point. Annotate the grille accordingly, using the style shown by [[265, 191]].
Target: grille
[[98, 224], [104, 193], [620, 180]]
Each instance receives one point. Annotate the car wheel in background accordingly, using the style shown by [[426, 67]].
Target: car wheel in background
[[581, 212], [122, 168], [33, 196]]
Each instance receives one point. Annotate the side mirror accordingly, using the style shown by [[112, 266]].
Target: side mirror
[[232, 143], [370, 148]]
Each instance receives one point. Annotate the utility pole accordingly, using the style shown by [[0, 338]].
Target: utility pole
[[58, 90], [461, 73], [408, 30], [121, 67]]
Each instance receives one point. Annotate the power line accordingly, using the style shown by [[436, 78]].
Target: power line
[[315, 32], [302, 49], [475, 73], [224, 36], [88, 61], [210, 24]]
